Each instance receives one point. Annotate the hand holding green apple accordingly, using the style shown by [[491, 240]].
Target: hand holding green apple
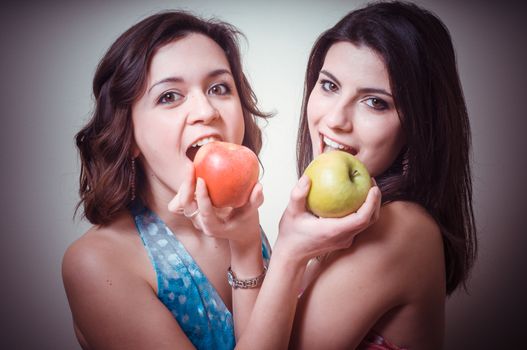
[[339, 184]]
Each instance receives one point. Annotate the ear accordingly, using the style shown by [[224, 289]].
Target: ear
[[135, 151]]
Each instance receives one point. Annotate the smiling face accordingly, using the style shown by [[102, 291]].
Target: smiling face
[[351, 108], [190, 99]]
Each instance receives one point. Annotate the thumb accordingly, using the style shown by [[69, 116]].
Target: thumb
[[174, 205], [256, 199], [297, 202]]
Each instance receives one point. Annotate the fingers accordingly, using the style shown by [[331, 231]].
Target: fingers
[[372, 202], [297, 201], [342, 231], [257, 198], [377, 204], [349, 226], [186, 194], [174, 205], [184, 202], [202, 198]]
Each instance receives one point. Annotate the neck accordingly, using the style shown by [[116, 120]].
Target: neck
[[177, 223]]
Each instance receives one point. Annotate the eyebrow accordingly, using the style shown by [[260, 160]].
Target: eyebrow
[[359, 90], [374, 91], [330, 76], [212, 74]]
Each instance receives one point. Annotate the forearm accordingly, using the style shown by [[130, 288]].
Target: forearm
[[246, 262], [271, 321]]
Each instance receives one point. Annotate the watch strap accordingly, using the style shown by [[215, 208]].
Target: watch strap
[[249, 283]]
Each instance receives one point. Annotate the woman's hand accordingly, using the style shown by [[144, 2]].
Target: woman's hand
[[303, 236], [239, 225]]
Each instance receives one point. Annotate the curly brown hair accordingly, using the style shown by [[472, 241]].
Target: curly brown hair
[[105, 143]]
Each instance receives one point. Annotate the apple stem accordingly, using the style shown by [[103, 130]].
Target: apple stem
[[354, 173]]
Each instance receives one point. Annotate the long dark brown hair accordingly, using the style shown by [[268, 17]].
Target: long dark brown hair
[[106, 142], [433, 169]]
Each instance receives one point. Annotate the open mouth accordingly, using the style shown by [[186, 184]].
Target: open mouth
[[328, 144], [193, 149]]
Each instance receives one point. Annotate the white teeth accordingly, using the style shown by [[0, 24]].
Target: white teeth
[[204, 141], [332, 143]]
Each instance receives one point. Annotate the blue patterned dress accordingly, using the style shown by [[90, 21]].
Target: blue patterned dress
[[182, 286]]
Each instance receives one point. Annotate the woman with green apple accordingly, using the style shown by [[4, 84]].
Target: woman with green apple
[[382, 85]]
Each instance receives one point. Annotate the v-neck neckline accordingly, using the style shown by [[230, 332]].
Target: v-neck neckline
[[188, 259]]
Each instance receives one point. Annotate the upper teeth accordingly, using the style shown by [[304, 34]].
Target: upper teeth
[[333, 144], [204, 141]]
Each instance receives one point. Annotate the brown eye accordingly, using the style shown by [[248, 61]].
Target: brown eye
[[377, 103], [219, 89], [169, 97], [328, 86]]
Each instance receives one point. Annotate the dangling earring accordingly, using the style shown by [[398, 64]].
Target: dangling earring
[[132, 180], [405, 163]]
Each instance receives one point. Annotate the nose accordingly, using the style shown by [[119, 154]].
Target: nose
[[201, 110], [339, 117]]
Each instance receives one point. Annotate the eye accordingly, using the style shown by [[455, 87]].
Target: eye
[[169, 97], [377, 103], [219, 89], [328, 85]]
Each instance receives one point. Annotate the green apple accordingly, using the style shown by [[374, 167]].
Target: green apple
[[339, 184]]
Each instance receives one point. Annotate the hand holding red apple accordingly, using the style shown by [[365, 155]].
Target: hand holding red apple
[[221, 195]]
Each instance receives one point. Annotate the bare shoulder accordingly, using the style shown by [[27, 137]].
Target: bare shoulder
[[98, 252], [109, 282], [405, 243], [395, 264], [407, 223], [399, 259]]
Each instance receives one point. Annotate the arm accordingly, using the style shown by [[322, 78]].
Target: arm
[[395, 269], [114, 307], [302, 236], [241, 226]]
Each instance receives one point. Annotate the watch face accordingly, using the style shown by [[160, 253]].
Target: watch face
[[230, 277]]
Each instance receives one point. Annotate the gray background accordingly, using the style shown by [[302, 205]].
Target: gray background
[[48, 56]]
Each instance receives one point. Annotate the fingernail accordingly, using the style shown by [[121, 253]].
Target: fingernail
[[173, 204], [304, 181], [200, 185]]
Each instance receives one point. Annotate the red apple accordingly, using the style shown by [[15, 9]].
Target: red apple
[[230, 172]]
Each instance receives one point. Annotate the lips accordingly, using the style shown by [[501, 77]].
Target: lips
[[195, 146], [327, 144]]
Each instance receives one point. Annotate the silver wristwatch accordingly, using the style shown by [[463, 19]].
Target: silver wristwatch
[[254, 282]]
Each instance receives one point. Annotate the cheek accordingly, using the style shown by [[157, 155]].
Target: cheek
[[152, 139], [315, 112], [315, 108], [232, 119], [384, 151], [313, 133], [237, 125]]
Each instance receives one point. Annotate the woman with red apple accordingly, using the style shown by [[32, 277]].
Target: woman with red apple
[[144, 277]]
